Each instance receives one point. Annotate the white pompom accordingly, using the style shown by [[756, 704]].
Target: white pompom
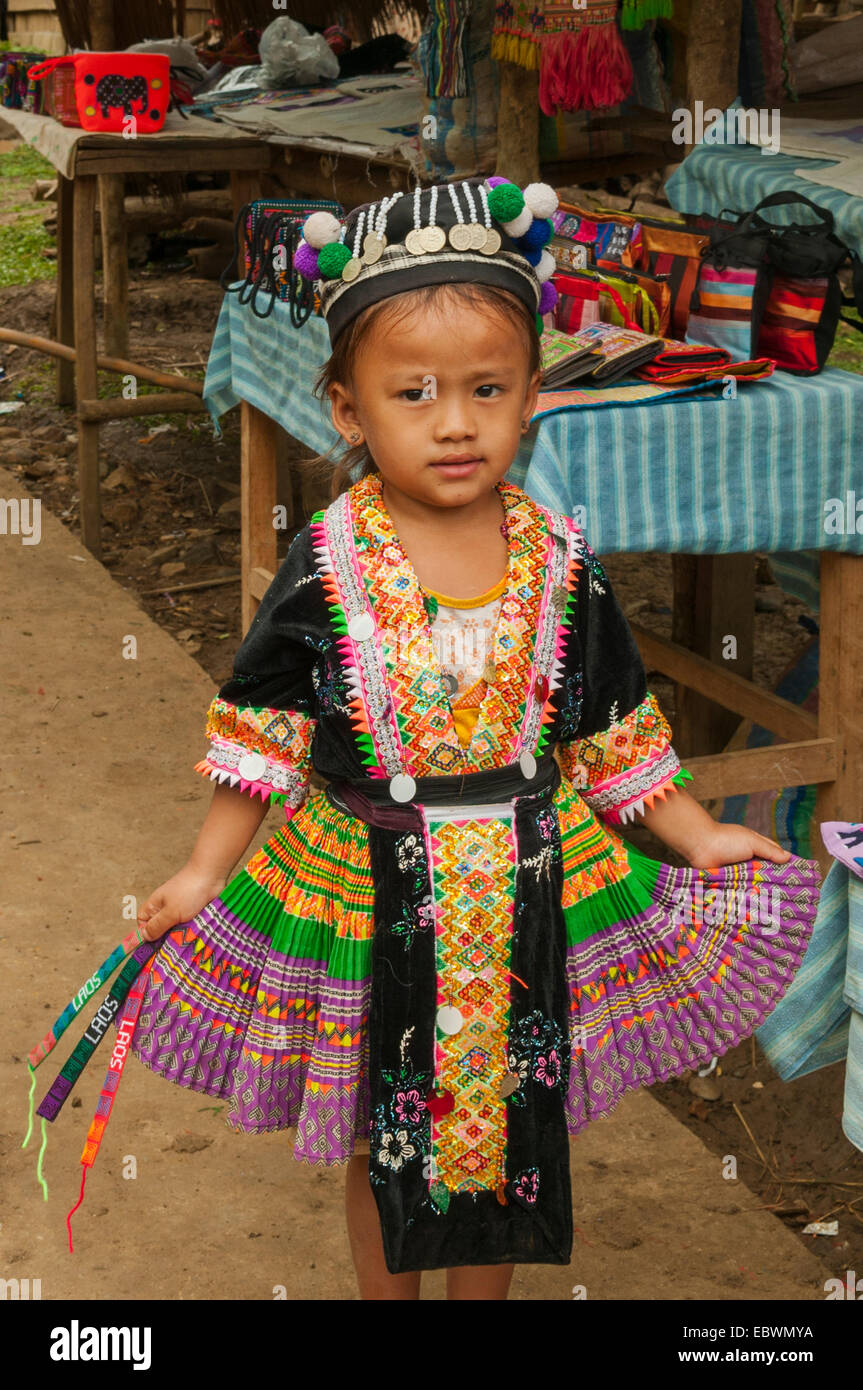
[[519, 225], [321, 228], [546, 267], [541, 199]]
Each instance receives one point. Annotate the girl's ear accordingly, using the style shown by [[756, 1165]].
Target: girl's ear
[[531, 395], [344, 410]]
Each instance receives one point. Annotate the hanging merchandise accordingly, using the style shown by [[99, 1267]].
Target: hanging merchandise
[[442, 48], [636, 13], [583, 64]]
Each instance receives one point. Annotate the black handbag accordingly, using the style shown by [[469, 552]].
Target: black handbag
[[784, 282]]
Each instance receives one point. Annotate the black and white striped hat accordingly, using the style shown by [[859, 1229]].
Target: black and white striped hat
[[482, 231]]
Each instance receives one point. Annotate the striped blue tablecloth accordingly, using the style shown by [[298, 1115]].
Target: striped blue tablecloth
[[713, 177], [820, 1020], [700, 475]]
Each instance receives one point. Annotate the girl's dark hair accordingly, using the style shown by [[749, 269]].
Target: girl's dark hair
[[355, 461]]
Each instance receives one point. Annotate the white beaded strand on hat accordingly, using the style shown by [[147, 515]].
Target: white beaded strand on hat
[[477, 231], [433, 238], [459, 235], [373, 247], [352, 268], [492, 241], [413, 243]]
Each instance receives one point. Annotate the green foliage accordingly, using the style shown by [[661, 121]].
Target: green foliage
[[21, 245], [23, 162]]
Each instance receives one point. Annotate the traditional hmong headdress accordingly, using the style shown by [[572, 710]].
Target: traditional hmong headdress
[[480, 231]]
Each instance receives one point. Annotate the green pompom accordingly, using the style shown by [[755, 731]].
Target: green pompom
[[505, 202], [332, 259], [540, 326]]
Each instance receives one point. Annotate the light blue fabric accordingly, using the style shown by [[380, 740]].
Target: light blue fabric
[[698, 475], [819, 1020], [737, 177]]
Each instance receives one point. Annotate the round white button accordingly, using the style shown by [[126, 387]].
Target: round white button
[[402, 787], [361, 627], [527, 763], [449, 1019], [252, 766]]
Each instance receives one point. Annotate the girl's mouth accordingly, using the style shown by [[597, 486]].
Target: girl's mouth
[[458, 465]]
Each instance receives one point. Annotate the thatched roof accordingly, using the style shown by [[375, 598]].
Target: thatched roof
[[135, 20], [236, 14]]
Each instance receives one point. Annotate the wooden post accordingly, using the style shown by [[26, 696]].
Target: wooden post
[[518, 124], [840, 689], [115, 265], [65, 291], [712, 52], [258, 472], [714, 599], [86, 373], [112, 188]]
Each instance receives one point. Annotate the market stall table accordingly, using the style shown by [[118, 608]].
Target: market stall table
[[700, 475], [184, 146]]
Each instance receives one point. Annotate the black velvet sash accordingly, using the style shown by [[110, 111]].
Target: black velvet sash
[[528, 1218]]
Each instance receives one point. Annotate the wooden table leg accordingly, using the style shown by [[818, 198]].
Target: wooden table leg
[[714, 615], [86, 347], [115, 265], [257, 453], [65, 294], [840, 689], [258, 537]]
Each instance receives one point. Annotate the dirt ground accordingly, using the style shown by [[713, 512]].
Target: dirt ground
[[171, 518]]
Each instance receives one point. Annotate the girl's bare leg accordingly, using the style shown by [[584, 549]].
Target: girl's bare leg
[[364, 1234], [479, 1281]]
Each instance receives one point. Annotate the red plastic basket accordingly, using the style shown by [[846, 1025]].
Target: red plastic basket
[[108, 91]]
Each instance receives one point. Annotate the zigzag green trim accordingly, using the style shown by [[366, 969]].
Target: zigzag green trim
[[366, 745], [680, 778]]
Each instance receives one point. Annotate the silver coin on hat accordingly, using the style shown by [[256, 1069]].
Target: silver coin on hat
[[492, 243], [477, 236], [413, 243], [433, 238], [351, 269], [373, 247], [459, 237]]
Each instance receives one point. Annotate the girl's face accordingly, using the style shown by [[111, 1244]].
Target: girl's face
[[439, 395]]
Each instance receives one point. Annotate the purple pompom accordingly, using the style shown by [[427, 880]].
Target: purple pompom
[[495, 180], [548, 298], [306, 261]]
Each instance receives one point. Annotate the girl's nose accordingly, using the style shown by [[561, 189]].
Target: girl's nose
[[454, 420]]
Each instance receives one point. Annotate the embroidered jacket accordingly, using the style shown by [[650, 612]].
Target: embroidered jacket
[[338, 670]]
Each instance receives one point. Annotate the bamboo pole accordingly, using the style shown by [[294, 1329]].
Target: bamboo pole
[[108, 364]]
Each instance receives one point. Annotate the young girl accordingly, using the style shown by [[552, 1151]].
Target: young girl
[[448, 960]]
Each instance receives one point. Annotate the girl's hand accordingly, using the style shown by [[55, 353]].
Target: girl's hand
[[732, 844], [178, 900]]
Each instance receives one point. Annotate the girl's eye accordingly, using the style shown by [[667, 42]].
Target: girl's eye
[[485, 391], [414, 394]]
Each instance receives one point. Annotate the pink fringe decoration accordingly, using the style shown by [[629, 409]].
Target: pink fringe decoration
[[587, 71]]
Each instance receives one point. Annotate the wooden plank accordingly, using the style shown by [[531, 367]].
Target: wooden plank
[[258, 537], [163, 156], [714, 599], [259, 582], [115, 265], [65, 290], [803, 763], [156, 403], [86, 377], [840, 682], [311, 173], [733, 692]]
